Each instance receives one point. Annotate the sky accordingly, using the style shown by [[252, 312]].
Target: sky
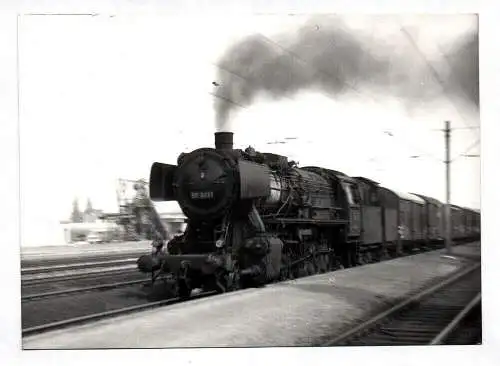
[[103, 97]]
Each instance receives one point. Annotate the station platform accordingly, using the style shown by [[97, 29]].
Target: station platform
[[82, 250], [471, 251], [292, 313]]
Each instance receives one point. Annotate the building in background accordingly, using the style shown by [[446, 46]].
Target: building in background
[[174, 223], [90, 214], [137, 218], [99, 231]]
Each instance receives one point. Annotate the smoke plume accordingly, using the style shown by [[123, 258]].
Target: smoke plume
[[325, 55], [464, 62]]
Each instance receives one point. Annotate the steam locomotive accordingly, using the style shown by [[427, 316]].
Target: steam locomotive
[[255, 218]]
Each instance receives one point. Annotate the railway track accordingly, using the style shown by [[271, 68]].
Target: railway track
[[37, 270], [88, 298], [68, 259], [40, 309], [85, 277], [69, 299], [46, 279], [72, 291], [72, 276], [447, 313], [28, 331]]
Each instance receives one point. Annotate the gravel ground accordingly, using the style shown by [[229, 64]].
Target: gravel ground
[[295, 313]]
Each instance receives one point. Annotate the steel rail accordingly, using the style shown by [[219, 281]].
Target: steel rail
[[31, 282], [107, 314], [75, 257], [82, 289], [400, 306], [75, 266], [446, 332]]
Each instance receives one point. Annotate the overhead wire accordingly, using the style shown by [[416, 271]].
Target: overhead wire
[[246, 79], [293, 54], [433, 72], [351, 87], [473, 145], [457, 128], [228, 100], [445, 57], [453, 71]]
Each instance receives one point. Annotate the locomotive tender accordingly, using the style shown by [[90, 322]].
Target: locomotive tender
[[254, 218]]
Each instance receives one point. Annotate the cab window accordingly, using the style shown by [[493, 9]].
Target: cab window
[[348, 193], [352, 193], [355, 194]]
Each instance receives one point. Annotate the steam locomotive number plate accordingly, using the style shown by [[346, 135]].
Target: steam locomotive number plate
[[202, 195]]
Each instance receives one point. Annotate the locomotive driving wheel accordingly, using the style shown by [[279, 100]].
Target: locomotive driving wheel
[[183, 289], [307, 268], [233, 281], [324, 263], [385, 254], [320, 263], [286, 272], [221, 282], [369, 256], [311, 267]]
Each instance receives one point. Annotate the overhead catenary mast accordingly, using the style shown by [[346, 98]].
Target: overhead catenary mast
[[447, 133]]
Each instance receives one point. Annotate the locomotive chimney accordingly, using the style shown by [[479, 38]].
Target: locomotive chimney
[[224, 140]]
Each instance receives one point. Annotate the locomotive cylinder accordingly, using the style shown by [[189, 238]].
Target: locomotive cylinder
[[223, 140]]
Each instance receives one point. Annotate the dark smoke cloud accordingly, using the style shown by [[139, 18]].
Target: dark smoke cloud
[[464, 62], [323, 55]]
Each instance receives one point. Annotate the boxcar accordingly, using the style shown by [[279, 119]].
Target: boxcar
[[457, 223], [411, 220], [390, 216], [434, 220], [467, 221], [476, 225], [419, 228], [472, 225], [411, 210]]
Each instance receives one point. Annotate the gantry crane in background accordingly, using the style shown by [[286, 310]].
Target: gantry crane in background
[[136, 212]]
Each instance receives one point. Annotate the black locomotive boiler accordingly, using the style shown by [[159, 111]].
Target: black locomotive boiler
[[255, 218]]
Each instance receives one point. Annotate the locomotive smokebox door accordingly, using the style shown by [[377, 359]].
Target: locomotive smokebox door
[[206, 185], [161, 179]]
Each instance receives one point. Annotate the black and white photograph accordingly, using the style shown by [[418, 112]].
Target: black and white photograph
[[258, 180]]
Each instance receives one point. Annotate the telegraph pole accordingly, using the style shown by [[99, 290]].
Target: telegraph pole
[[447, 132]]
